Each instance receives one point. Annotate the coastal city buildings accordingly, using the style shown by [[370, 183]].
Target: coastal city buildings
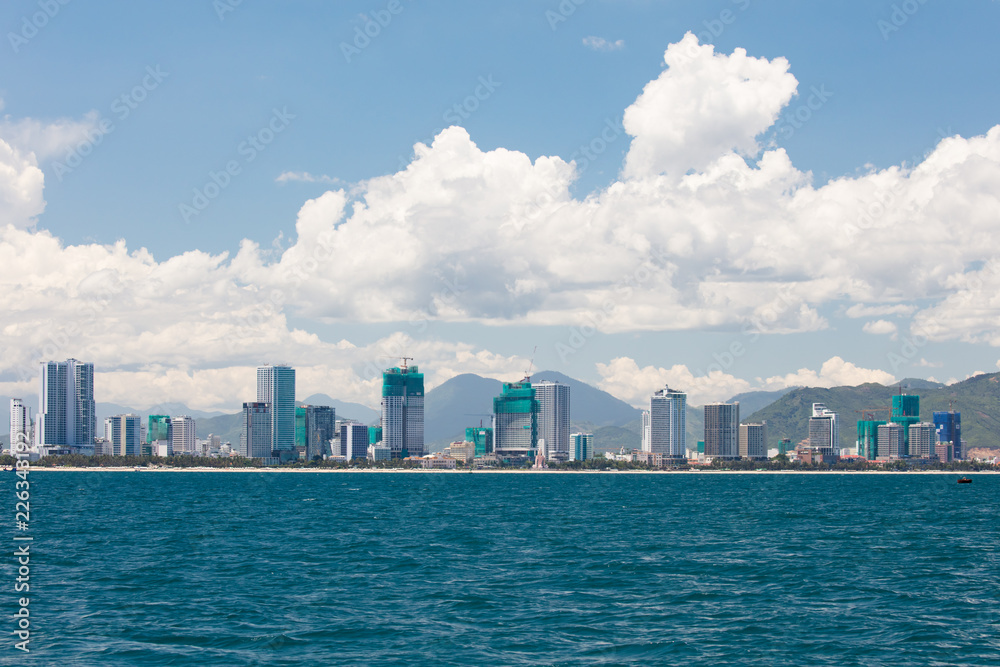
[[515, 420], [403, 410], [824, 431], [905, 411], [582, 447], [530, 423], [665, 429], [722, 430], [276, 386], [891, 443], [482, 437], [124, 433], [353, 440], [553, 419], [255, 434], [923, 440], [949, 430], [867, 442], [66, 410], [753, 441], [183, 434], [314, 428], [20, 423]]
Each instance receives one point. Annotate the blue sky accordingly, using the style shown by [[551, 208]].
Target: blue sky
[[893, 78]]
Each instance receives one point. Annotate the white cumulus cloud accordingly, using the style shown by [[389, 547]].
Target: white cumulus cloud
[[880, 327], [622, 377], [601, 44]]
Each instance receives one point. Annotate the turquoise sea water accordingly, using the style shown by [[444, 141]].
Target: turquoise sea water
[[137, 568]]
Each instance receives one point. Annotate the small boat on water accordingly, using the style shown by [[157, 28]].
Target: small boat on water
[[965, 480]]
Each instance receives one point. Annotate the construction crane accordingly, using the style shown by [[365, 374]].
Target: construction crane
[[479, 414], [868, 414], [404, 360], [527, 373]]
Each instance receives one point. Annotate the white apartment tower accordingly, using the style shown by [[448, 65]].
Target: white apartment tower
[[665, 430], [19, 423], [66, 404], [824, 430], [183, 435]]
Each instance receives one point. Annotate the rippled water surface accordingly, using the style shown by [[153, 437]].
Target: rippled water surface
[[140, 568]]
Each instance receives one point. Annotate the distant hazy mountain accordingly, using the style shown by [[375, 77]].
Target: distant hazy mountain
[[466, 399], [978, 399], [227, 427], [462, 401], [590, 404], [752, 401]]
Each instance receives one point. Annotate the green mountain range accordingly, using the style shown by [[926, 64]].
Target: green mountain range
[[977, 399]]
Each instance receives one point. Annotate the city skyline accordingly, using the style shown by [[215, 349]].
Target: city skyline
[[584, 228]]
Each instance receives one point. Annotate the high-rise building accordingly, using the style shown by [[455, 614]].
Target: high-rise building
[[353, 440], [66, 408], [645, 444], [923, 439], [753, 441], [318, 424], [945, 451], [949, 429], [403, 411], [515, 420], [553, 418], [159, 429], [665, 429], [582, 446], [255, 435], [867, 443], [183, 435], [891, 445], [300, 426], [824, 430], [482, 436], [124, 432], [19, 423], [722, 430], [276, 385], [905, 411]]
